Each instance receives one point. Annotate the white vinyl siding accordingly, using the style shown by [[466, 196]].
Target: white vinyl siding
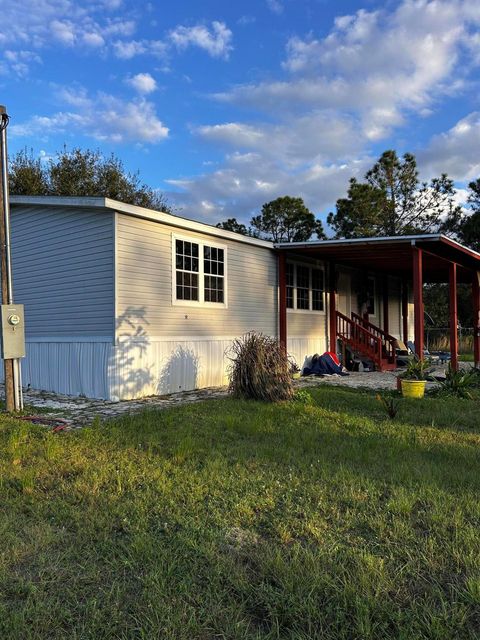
[[63, 266], [145, 278]]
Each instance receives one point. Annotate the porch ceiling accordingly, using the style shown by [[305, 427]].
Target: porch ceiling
[[393, 256]]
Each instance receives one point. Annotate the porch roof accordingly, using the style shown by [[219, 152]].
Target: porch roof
[[393, 255]]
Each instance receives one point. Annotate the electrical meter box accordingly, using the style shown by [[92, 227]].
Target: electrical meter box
[[13, 331]]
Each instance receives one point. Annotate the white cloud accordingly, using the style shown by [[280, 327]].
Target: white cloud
[[246, 181], [310, 138], [127, 49], [64, 32], [380, 65], [103, 117], [82, 27], [333, 98], [275, 6], [215, 41], [455, 152], [143, 83], [93, 39]]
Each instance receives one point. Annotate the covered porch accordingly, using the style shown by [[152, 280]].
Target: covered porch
[[412, 261]]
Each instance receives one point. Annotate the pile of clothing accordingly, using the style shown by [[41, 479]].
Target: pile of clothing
[[327, 364]]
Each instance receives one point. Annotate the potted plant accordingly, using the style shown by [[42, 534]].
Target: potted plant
[[414, 378]]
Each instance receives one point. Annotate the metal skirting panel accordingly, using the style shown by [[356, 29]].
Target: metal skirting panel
[[72, 368], [156, 366], [137, 368], [300, 348]]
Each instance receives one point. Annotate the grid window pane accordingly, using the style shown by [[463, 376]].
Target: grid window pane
[[290, 285], [317, 289], [303, 287], [214, 289], [186, 263], [213, 268], [187, 286]]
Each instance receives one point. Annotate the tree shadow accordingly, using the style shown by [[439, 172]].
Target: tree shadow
[[130, 372], [180, 372]]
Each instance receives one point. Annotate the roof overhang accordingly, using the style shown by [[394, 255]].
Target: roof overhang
[[393, 255]]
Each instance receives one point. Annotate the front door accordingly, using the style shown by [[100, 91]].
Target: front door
[[344, 300]]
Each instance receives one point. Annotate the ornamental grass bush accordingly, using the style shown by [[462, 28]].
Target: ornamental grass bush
[[259, 369]]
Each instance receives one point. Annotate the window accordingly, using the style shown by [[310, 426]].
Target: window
[[199, 273], [290, 285], [187, 267], [318, 287], [305, 287], [213, 264]]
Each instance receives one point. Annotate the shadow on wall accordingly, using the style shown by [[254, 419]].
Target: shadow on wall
[[180, 372], [132, 372]]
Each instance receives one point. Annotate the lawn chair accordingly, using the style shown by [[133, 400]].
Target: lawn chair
[[439, 357], [402, 355]]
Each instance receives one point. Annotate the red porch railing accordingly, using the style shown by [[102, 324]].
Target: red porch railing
[[370, 344], [387, 339]]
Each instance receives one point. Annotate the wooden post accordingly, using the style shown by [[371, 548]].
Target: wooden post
[[282, 299], [405, 312], [476, 318], [332, 306], [452, 288], [7, 297], [385, 305], [418, 300]]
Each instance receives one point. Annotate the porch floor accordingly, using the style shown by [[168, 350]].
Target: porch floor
[[369, 379]]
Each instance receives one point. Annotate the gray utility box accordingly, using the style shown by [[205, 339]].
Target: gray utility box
[[13, 331]]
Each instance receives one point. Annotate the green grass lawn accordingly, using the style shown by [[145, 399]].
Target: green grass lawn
[[231, 519]]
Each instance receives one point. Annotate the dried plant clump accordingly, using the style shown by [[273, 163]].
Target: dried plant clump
[[259, 369]]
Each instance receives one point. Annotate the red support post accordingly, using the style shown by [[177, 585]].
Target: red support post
[[418, 300], [282, 299], [332, 305], [476, 318], [452, 288], [405, 312], [385, 305]]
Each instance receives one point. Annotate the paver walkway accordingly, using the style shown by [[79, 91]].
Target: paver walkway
[[79, 412]]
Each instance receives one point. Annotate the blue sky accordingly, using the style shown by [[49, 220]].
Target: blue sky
[[224, 106]]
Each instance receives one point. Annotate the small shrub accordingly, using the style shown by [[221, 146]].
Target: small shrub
[[390, 404], [259, 369], [459, 383], [302, 397]]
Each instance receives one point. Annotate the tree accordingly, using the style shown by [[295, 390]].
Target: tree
[[392, 201], [286, 219], [27, 175], [468, 226], [81, 173], [232, 224]]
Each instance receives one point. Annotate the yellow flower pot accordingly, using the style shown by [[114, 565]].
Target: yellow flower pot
[[413, 388]]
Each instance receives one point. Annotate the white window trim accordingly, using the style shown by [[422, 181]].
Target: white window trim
[[201, 275], [309, 311]]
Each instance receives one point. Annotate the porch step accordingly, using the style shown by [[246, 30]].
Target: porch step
[[367, 341]]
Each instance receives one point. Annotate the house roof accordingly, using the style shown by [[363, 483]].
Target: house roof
[[393, 255], [137, 212]]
